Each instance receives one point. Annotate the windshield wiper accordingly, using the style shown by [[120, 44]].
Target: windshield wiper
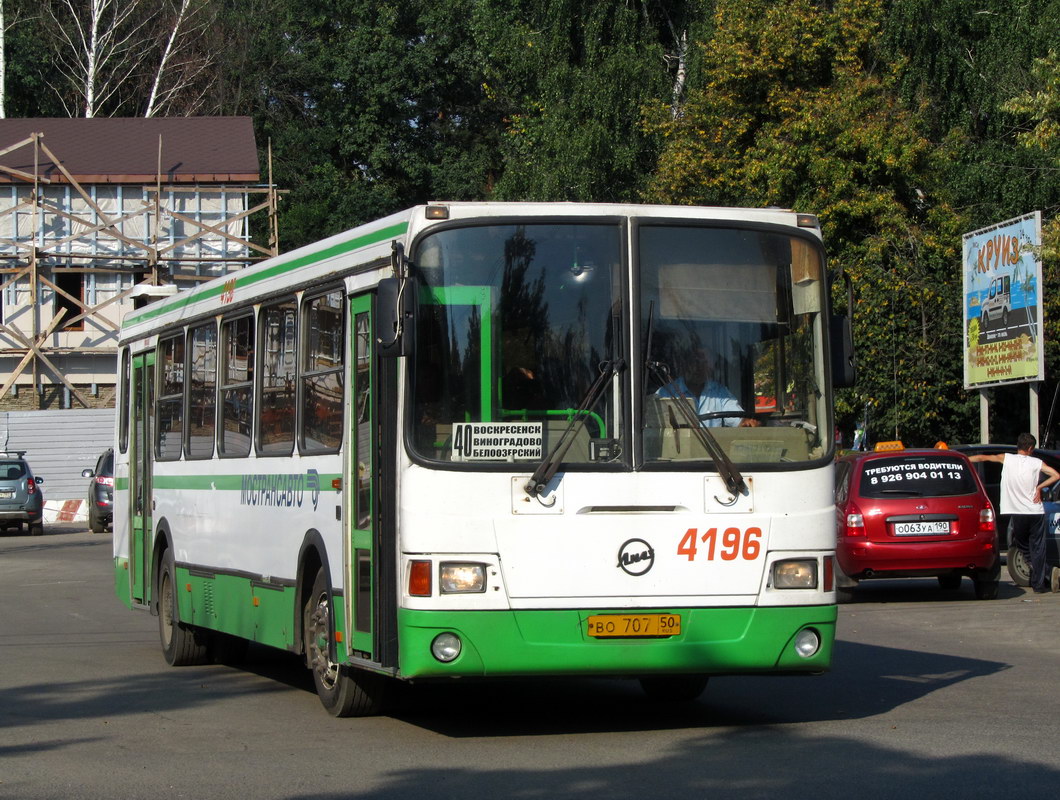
[[548, 468], [729, 472]]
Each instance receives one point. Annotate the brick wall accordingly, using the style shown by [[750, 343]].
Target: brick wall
[[53, 397]]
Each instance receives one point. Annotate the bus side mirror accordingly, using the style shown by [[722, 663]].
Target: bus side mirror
[[844, 364], [396, 316]]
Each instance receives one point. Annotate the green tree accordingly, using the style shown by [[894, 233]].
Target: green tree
[[1038, 106], [369, 107], [570, 77], [794, 110]]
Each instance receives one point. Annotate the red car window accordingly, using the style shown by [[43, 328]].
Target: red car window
[[937, 476]]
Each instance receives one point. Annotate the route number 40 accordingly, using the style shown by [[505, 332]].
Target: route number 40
[[731, 545]]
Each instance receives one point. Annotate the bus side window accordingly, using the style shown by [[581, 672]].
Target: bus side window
[[321, 376], [202, 391], [169, 434], [276, 411], [237, 386]]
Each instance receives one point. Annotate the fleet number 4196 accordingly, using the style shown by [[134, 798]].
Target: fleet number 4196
[[730, 545]]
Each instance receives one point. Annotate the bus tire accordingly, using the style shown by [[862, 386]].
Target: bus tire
[[674, 688], [182, 645], [1018, 567], [343, 691]]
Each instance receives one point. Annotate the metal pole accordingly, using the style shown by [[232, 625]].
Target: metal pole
[[1032, 395], [984, 417], [1047, 433]]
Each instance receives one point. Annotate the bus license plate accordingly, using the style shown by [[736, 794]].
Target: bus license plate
[[920, 528], [603, 626]]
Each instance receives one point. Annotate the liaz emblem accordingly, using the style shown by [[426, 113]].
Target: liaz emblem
[[636, 557]]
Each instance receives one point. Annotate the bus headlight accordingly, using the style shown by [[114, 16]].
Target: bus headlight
[[446, 647], [461, 578], [795, 574], [807, 642]]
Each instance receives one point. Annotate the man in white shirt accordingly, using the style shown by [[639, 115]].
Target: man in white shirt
[[708, 396], [1021, 499]]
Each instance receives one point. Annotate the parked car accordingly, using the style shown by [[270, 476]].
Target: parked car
[[998, 302], [101, 492], [990, 472], [914, 513], [21, 498]]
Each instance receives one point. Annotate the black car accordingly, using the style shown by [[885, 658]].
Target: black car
[[990, 472], [101, 492], [21, 499]]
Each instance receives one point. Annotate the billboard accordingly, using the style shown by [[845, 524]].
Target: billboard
[[1003, 303]]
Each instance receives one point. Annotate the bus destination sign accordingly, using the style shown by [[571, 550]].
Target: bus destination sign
[[498, 441]]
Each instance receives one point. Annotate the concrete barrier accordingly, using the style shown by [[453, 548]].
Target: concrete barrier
[[65, 511]]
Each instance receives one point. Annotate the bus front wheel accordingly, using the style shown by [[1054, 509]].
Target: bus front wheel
[[344, 691], [182, 645]]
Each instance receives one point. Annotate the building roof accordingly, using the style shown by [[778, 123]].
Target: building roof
[[132, 149]]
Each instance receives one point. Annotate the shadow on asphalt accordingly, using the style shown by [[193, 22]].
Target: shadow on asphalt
[[927, 590]]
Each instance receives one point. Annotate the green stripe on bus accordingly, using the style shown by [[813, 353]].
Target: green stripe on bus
[[229, 483], [185, 299]]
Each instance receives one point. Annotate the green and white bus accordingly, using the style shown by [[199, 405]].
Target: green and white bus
[[465, 441]]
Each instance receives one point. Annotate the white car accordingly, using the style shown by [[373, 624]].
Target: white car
[[998, 303]]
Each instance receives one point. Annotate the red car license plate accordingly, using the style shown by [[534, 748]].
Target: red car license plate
[[921, 528]]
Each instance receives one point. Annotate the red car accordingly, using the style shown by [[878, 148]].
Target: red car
[[914, 513]]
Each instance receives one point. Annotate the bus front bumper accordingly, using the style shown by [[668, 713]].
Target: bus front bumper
[[712, 641]]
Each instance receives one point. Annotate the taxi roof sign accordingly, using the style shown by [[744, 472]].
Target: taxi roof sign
[[885, 446]]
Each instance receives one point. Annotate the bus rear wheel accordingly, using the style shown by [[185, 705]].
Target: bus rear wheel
[[182, 645], [674, 688], [343, 691]]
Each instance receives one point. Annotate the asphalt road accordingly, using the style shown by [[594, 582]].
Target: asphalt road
[[933, 694]]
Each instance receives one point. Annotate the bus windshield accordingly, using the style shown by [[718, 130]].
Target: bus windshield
[[732, 321], [516, 322]]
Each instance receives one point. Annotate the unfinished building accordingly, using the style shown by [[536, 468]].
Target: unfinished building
[[97, 216]]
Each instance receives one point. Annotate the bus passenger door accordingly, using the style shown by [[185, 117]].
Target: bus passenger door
[[142, 394], [361, 470]]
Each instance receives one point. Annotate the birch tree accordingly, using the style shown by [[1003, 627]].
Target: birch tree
[[3, 62], [177, 85], [129, 57], [101, 46]]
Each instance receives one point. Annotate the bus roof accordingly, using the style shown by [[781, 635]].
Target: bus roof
[[371, 243]]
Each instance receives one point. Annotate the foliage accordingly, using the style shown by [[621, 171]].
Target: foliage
[[794, 112], [1041, 105], [369, 107], [570, 77]]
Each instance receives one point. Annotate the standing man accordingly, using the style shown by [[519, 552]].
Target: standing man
[[1021, 498]]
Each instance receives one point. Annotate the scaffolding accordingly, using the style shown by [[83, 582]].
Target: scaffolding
[[137, 240]]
